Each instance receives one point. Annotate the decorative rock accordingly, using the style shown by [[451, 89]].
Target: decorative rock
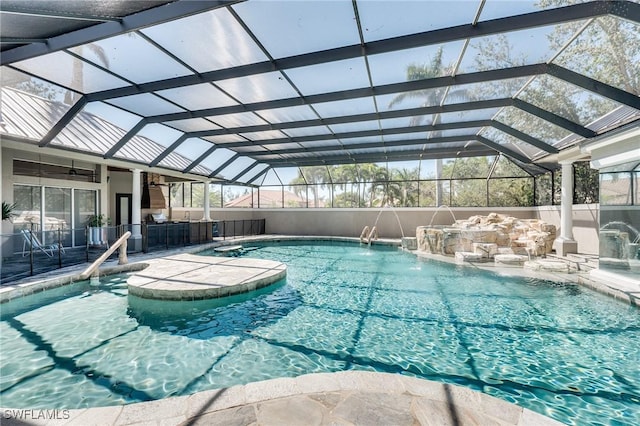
[[487, 250], [410, 243], [612, 263], [510, 260], [465, 256], [523, 236], [546, 265], [451, 242]]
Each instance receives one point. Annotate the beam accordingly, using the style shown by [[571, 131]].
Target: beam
[[362, 133], [626, 10], [225, 164], [255, 178], [126, 138], [198, 160], [366, 145], [21, 40], [63, 122], [553, 118], [524, 137], [595, 86], [407, 86], [502, 149], [460, 32], [409, 112], [246, 170], [136, 21], [168, 150], [41, 12], [415, 154]]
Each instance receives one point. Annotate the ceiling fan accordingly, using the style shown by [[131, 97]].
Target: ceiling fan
[[64, 172]]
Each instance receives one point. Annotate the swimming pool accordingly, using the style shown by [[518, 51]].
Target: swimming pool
[[561, 350]]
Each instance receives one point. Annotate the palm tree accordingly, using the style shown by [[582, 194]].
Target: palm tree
[[404, 189], [77, 79], [347, 178], [316, 177], [430, 69], [299, 186], [378, 177]]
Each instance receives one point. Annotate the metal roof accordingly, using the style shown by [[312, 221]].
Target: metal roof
[[230, 89]]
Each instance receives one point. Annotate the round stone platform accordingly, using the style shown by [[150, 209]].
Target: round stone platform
[[193, 277]]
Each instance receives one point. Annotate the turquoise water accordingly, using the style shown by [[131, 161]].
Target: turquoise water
[[560, 350]]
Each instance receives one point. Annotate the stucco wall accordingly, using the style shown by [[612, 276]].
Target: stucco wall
[[585, 224], [350, 222]]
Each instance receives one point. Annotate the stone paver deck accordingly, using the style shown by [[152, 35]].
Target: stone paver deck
[[192, 277], [343, 398]]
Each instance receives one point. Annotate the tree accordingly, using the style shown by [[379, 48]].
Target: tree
[[586, 183], [77, 78], [469, 185], [403, 188], [317, 177], [377, 178], [347, 179], [606, 50], [433, 68]]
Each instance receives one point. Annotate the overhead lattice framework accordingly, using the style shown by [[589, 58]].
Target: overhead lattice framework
[[227, 90]]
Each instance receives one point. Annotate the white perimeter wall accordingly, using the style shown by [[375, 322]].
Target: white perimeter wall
[[350, 222]]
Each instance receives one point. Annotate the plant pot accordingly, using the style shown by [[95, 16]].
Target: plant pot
[[97, 236]]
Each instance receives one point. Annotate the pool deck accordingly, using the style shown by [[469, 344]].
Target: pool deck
[[191, 277], [342, 398]]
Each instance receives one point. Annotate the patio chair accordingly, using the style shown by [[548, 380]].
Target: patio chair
[[32, 241]]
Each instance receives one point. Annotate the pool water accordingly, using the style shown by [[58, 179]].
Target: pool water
[[558, 349]]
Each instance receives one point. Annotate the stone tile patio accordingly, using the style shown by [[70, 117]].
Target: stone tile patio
[[343, 398], [192, 277]]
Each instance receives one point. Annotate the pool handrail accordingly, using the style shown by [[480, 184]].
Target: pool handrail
[[122, 257]]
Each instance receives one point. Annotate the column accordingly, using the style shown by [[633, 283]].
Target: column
[[207, 208], [136, 198], [565, 243]]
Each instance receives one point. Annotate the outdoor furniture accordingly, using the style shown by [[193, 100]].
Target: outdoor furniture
[[31, 241]]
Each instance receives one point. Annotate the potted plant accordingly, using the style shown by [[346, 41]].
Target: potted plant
[[97, 229], [7, 211]]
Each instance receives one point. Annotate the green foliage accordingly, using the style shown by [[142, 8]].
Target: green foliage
[[38, 88], [586, 184], [372, 185], [8, 211], [98, 220]]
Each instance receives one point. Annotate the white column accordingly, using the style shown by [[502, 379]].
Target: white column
[[565, 243], [207, 208], [566, 211], [135, 205]]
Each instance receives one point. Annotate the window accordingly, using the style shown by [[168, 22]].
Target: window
[[615, 189], [54, 217]]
